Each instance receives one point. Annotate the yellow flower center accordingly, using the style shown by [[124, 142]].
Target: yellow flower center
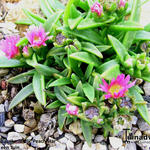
[[36, 38], [115, 88]]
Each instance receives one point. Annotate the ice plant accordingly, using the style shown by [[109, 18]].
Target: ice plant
[[97, 8], [36, 36], [117, 88], [8, 46], [71, 109], [91, 112], [122, 3]]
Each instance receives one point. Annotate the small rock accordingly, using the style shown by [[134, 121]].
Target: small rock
[[3, 135], [2, 118], [19, 128], [99, 138], [121, 148], [56, 134], [59, 131], [3, 72], [147, 132], [71, 137], [60, 146], [146, 88], [78, 146], [143, 126], [70, 145], [38, 142], [2, 108], [31, 123], [130, 146], [27, 130], [28, 114], [138, 133], [81, 137], [6, 105], [134, 120], [14, 136], [32, 134], [20, 146], [15, 118], [144, 145], [100, 146], [111, 148], [75, 127], [86, 147], [31, 148], [115, 142], [9, 123], [63, 140], [4, 129]]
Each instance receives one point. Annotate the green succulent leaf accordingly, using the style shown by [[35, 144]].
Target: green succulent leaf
[[10, 63], [142, 109], [86, 58], [91, 48], [142, 35], [89, 91], [23, 94], [56, 5], [22, 78], [60, 82], [54, 104], [76, 100], [61, 117], [87, 131], [39, 87]]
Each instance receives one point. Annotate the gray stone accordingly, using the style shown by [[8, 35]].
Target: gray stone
[[4, 129], [78, 146], [100, 146], [60, 146], [147, 132], [115, 142], [9, 123], [99, 138], [3, 72], [2, 108], [146, 88], [143, 126], [134, 120], [144, 145], [71, 137], [130, 146], [19, 128], [6, 105], [63, 140], [70, 145], [20, 146], [86, 147], [38, 142], [14, 136]]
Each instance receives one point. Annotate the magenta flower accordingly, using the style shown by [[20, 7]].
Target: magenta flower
[[97, 8], [25, 50], [117, 88], [36, 36], [72, 110], [8, 46], [122, 3]]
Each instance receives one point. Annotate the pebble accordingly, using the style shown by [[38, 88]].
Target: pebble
[[14, 136], [130, 146], [75, 127], [2, 118], [6, 105], [60, 146], [2, 108], [59, 131], [121, 148], [28, 114], [38, 142], [20, 146], [3, 72], [71, 137], [115, 142], [4, 129], [146, 88], [78, 146], [143, 126], [27, 130], [31, 123], [63, 140], [147, 132], [15, 118], [98, 138], [9, 123], [31, 148], [19, 128], [134, 120], [87, 147], [100, 146], [138, 133], [70, 145]]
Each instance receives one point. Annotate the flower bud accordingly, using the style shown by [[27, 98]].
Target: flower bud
[[27, 52], [97, 8], [71, 109]]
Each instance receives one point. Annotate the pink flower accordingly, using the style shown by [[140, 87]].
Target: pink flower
[[97, 8], [25, 50], [122, 3], [36, 36], [72, 110], [117, 88], [8, 46]]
